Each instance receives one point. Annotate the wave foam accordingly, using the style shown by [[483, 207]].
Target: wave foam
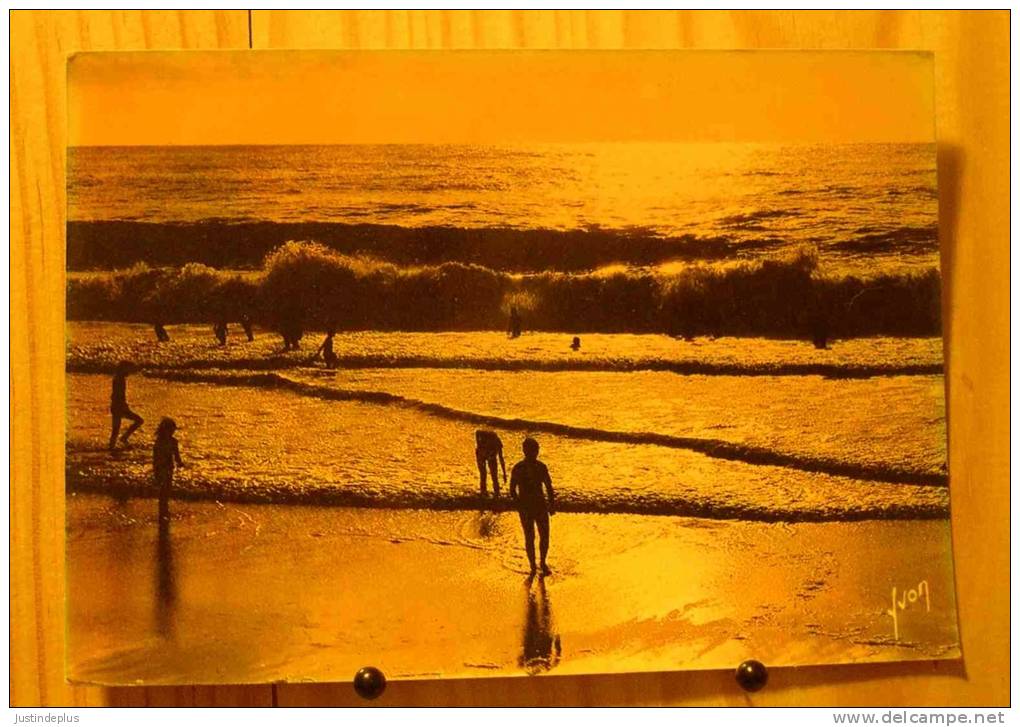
[[747, 454]]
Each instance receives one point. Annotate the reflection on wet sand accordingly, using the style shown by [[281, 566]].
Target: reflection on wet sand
[[166, 583], [781, 594], [487, 524], [541, 649]]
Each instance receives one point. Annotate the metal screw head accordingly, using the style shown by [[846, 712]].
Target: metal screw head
[[369, 682], [752, 675]]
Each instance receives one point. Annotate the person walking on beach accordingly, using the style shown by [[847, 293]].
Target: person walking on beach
[[489, 448], [527, 480], [166, 455], [119, 408], [326, 349]]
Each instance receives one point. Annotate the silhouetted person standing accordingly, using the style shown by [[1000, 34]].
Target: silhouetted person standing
[[527, 480], [326, 349], [119, 408], [166, 455], [575, 345], [489, 448], [514, 327], [246, 324]]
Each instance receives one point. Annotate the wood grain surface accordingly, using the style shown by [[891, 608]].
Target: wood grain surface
[[972, 92]]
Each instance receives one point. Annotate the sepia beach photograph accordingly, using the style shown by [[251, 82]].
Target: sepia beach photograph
[[474, 363]]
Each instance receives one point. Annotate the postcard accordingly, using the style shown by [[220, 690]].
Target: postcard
[[470, 363]]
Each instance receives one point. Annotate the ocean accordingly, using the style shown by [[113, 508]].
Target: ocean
[[744, 418], [864, 206]]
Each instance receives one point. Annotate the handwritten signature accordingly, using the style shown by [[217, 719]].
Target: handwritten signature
[[906, 599]]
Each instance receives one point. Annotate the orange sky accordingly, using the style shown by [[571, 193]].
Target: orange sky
[[290, 97]]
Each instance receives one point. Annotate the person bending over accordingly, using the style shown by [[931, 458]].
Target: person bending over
[[489, 448]]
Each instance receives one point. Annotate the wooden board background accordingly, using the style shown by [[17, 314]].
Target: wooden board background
[[972, 87]]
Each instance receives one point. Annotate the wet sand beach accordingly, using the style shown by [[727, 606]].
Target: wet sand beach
[[248, 593]]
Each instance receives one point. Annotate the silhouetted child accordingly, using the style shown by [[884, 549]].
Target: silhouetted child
[[489, 448], [166, 454], [161, 335], [119, 408], [249, 329], [527, 480], [576, 343], [326, 350]]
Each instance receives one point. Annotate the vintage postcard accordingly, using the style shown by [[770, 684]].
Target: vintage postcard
[[466, 364]]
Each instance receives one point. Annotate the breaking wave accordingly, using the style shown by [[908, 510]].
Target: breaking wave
[[784, 296]]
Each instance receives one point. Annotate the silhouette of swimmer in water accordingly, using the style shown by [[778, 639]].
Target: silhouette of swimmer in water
[[489, 448], [326, 349], [576, 343], [220, 331], [246, 324], [119, 408], [527, 478], [540, 647], [166, 454], [161, 335], [513, 329]]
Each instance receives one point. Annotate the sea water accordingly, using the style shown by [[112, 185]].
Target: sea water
[[862, 205]]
